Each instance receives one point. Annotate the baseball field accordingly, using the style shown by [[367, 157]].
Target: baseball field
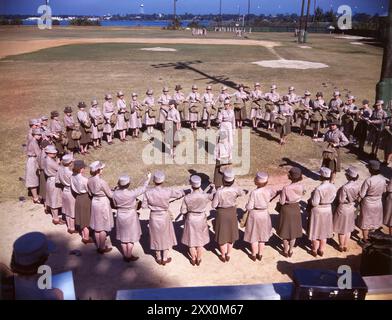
[[45, 70]]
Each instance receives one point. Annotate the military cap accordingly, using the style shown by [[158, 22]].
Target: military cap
[[352, 172], [67, 158], [261, 177], [159, 177], [195, 181], [96, 165], [124, 180], [325, 172], [68, 109], [31, 248], [81, 104], [228, 175], [374, 165], [54, 114], [50, 149]]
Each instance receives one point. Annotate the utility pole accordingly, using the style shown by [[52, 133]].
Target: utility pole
[[300, 33], [384, 87], [220, 13], [306, 23], [248, 19]]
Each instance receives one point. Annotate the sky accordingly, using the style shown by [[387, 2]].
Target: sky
[[101, 7]]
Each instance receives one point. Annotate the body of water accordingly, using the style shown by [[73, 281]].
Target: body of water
[[128, 23]]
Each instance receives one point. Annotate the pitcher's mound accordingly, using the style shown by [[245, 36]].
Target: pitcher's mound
[[290, 64], [159, 49]]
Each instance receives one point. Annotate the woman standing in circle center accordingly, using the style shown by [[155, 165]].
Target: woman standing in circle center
[[226, 224], [101, 212], [259, 227], [290, 222]]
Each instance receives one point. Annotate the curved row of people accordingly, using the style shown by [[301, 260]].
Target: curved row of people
[[88, 202]]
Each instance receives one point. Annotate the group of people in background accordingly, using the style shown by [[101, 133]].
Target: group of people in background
[[360, 124]]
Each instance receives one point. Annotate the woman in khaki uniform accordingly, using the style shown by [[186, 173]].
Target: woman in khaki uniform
[[97, 122], [33, 152], [109, 114], [372, 189], [223, 157], [258, 228], [57, 132], [135, 121], [85, 128], [82, 200], [122, 116], [162, 236], [241, 98], [63, 178], [226, 224], [150, 113], [290, 220], [101, 212], [344, 217], [53, 190], [196, 232], [69, 123], [127, 222], [320, 221]]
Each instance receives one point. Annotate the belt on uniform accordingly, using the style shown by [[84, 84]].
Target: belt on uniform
[[32, 156], [259, 208], [326, 205], [95, 196], [164, 210]]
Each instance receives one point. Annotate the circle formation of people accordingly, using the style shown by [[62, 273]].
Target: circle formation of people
[[58, 180]]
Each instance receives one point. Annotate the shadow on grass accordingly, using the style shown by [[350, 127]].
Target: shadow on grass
[[305, 171], [189, 65]]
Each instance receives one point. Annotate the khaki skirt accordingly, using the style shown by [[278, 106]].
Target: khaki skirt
[[290, 222], [31, 174], [344, 218], [53, 194], [320, 224], [128, 225], [162, 235], [82, 210], [68, 202], [258, 227], [226, 225], [101, 214], [196, 233]]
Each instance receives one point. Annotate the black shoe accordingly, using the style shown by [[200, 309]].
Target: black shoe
[[251, 257], [259, 257]]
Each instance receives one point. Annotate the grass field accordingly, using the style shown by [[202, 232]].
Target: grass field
[[35, 83]]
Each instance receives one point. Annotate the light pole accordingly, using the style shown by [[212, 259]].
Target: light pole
[[220, 13], [248, 18], [384, 87], [306, 23], [300, 33]]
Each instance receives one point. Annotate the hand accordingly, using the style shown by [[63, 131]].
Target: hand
[[212, 186], [246, 191], [149, 175]]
